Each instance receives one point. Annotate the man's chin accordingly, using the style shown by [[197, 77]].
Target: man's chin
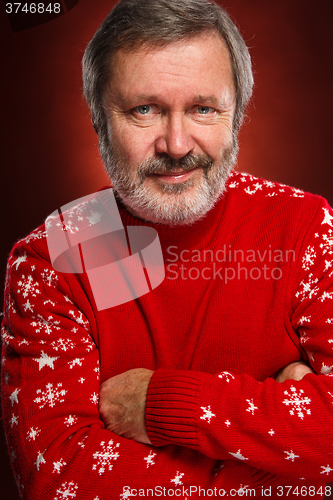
[[171, 204]]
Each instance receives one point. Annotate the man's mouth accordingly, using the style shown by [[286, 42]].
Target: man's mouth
[[175, 177]]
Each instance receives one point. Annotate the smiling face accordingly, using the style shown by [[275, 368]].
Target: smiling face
[[170, 115]]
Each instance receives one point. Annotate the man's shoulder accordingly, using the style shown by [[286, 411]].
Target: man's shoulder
[[243, 182]]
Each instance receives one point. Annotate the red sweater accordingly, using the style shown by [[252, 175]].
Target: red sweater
[[247, 290]]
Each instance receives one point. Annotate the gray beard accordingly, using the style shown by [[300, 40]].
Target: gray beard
[[172, 205]]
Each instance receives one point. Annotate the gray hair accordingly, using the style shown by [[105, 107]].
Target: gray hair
[[134, 24]]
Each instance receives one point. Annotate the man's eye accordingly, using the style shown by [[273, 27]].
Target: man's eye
[[144, 109], [204, 110]]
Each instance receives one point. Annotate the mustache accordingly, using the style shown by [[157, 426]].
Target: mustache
[[167, 164]]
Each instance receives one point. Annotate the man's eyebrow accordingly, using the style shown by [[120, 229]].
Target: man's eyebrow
[[154, 98]]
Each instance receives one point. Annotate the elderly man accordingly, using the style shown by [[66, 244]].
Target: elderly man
[[186, 390]]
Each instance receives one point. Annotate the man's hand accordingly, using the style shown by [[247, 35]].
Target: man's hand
[[122, 404], [294, 371]]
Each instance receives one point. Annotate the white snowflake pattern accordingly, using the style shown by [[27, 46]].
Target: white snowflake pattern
[[88, 343], [49, 277], [251, 409], [27, 286], [271, 432], [149, 459], [51, 395], [94, 398], [45, 325], [35, 235], [307, 290], [33, 433], [67, 490], [80, 320], [74, 362], [242, 490], [62, 345], [256, 187], [208, 415], [178, 478], [327, 245], [309, 258], [291, 455], [226, 376], [303, 320], [81, 443], [298, 402], [105, 457], [326, 295], [57, 466], [326, 470], [70, 420], [68, 226]]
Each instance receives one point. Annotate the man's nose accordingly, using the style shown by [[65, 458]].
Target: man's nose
[[175, 139]]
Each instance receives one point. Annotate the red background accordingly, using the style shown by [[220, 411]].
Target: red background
[[49, 150]]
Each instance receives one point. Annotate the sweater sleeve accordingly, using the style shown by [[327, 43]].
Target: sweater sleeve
[[286, 428], [58, 445]]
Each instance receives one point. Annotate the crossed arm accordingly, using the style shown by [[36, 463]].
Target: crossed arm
[[122, 399]]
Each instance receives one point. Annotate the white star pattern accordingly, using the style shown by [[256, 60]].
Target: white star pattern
[[19, 260], [14, 420], [40, 459], [291, 455], [327, 218], [177, 480], [271, 432], [238, 455], [105, 457], [14, 396], [208, 415], [326, 370], [45, 360]]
